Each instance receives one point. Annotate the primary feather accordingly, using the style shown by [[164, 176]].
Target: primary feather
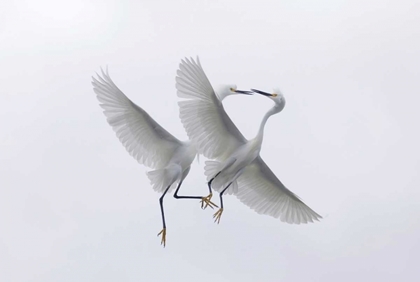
[[145, 140], [203, 115]]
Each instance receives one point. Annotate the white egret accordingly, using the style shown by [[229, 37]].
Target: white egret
[[149, 143], [238, 168]]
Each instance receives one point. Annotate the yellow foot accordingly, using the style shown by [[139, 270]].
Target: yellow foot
[[217, 215], [205, 202], [163, 233]]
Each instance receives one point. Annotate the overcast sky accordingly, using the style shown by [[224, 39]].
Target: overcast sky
[[76, 207]]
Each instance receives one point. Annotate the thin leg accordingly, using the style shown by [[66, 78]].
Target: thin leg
[[211, 180], [183, 197], [205, 200], [163, 231], [208, 198], [218, 214]]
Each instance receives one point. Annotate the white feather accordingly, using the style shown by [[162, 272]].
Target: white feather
[[263, 192], [203, 115], [239, 163], [145, 140]]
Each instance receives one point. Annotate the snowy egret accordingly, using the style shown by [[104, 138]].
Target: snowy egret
[[237, 167], [149, 143]]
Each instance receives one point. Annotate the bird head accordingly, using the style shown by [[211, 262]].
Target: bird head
[[276, 96], [231, 89]]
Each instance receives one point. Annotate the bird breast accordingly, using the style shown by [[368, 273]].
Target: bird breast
[[246, 154]]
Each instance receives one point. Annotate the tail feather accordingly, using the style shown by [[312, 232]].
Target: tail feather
[[157, 179], [160, 179], [211, 168]]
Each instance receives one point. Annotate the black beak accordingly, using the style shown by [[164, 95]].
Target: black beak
[[261, 92], [244, 92]]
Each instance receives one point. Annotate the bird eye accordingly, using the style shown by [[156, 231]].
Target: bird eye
[[231, 89]]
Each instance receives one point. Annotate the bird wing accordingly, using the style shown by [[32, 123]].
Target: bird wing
[[203, 115], [263, 192], [145, 140]]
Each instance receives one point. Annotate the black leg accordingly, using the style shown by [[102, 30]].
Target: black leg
[[205, 201], [211, 180], [161, 206], [184, 197], [218, 214], [163, 232], [221, 195]]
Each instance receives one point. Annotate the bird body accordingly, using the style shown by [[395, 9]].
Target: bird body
[[229, 170], [150, 144], [235, 166], [144, 139]]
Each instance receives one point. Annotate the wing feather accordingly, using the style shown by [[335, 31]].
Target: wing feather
[[263, 192], [144, 139], [203, 115]]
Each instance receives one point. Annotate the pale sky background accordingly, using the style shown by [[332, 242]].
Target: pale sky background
[[76, 207]]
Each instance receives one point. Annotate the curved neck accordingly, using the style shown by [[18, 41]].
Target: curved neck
[[272, 111], [222, 95]]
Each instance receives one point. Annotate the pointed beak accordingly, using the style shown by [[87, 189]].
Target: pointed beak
[[262, 93], [244, 92]]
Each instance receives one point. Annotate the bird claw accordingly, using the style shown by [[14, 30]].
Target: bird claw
[[205, 202], [217, 215], [163, 233]]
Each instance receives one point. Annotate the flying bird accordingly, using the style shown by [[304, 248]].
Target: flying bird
[[149, 143], [237, 167]]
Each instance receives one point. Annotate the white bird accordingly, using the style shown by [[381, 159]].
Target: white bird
[[149, 143], [238, 168]]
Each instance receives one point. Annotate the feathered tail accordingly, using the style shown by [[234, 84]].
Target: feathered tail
[[162, 178]]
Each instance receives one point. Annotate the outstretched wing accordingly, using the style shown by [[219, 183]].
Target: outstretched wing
[[143, 137], [203, 115], [263, 192]]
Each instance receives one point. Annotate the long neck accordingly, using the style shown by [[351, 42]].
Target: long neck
[[272, 111], [222, 95]]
